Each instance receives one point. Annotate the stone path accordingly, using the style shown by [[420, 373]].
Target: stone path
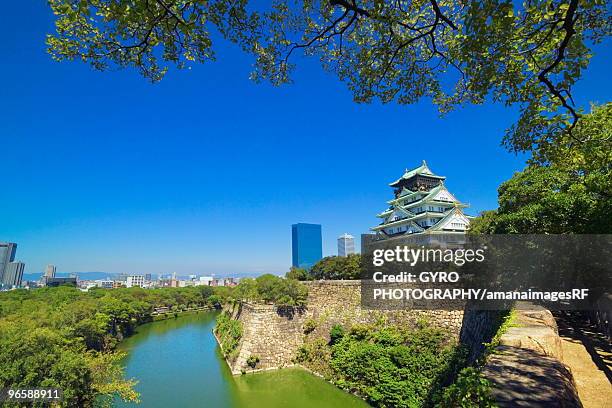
[[588, 354]]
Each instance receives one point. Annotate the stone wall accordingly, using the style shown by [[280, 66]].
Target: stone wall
[[478, 328], [274, 334], [527, 368], [270, 333], [339, 302]]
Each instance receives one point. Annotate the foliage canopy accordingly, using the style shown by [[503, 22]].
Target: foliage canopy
[[388, 365], [270, 288], [337, 267], [64, 338], [448, 51], [566, 189]]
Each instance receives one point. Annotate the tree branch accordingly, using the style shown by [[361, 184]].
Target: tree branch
[[568, 25]]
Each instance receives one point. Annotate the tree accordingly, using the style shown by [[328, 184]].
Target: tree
[[291, 293], [246, 290], [447, 51], [268, 287], [62, 337], [206, 291], [298, 274], [337, 267], [567, 188]]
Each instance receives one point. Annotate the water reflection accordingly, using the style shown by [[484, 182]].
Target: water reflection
[[178, 364]]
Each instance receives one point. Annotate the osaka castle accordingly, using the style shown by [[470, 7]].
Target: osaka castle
[[421, 205]]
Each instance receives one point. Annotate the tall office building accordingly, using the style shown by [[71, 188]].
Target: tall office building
[[50, 271], [346, 245], [306, 246], [7, 254], [13, 274]]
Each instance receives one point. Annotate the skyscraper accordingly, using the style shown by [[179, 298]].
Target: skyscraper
[[346, 245], [50, 271], [13, 274], [306, 246], [7, 254]]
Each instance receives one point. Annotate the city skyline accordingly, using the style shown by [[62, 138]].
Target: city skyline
[[106, 184]]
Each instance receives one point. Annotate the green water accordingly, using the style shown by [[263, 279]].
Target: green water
[[178, 364]]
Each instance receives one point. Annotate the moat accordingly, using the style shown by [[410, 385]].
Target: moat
[[178, 363]]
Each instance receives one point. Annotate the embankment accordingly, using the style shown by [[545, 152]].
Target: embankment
[[527, 367]]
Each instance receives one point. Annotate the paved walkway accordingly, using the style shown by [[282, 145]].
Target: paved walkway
[[588, 354]]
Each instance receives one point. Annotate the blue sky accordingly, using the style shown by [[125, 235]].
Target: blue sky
[[206, 171]]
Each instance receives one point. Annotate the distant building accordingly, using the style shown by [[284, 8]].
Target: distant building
[[306, 245], [135, 281], [13, 274], [7, 255], [30, 284], [206, 280], [174, 282], [106, 284], [54, 282], [50, 271], [118, 284], [186, 283], [148, 277], [163, 283], [217, 282], [346, 245]]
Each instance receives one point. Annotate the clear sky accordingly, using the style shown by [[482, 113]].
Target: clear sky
[[206, 171]]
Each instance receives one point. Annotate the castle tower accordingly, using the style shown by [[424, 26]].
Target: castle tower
[[421, 205]]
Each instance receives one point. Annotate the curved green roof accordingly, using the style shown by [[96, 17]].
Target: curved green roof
[[423, 170]]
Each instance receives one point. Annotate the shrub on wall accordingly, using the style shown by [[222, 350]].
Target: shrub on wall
[[470, 390], [252, 361], [310, 325], [389, 366], [336, 333], [315, 355], [229, 332]]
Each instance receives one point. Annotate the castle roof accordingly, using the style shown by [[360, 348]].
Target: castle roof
[[422, 170]]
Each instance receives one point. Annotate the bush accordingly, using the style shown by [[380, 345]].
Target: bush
[[360, 331], [252, 361], [316, 356], [310, 325], [389, 366], [336, 333], [214, 301], [229, 332], [469, 390]]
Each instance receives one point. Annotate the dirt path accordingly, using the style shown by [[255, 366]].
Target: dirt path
[[589, 356]]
